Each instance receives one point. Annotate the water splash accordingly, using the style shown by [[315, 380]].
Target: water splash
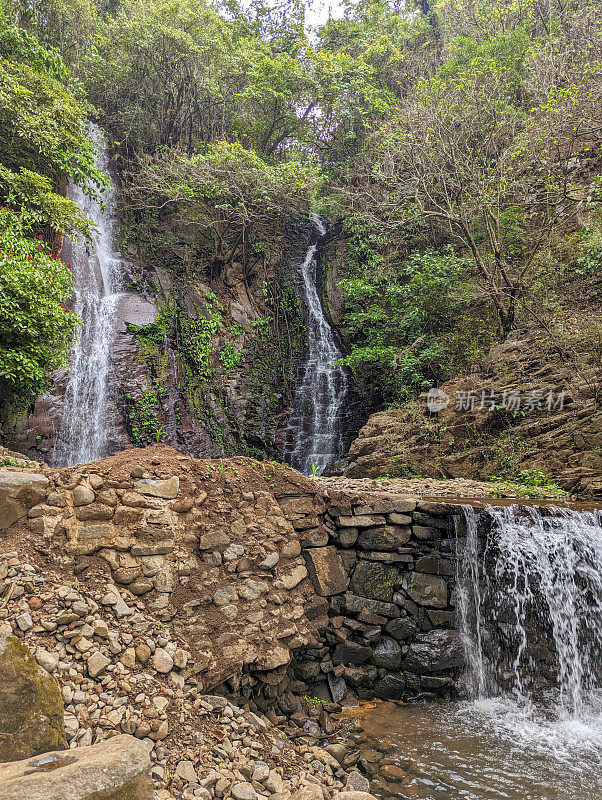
[[530, 612], [85, 427], [314, 434]]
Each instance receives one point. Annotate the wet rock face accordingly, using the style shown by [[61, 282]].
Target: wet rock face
[[31, 706], [116, 769]]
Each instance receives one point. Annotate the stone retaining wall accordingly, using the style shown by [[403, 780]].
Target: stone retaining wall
[[277, 587], [386, 565]]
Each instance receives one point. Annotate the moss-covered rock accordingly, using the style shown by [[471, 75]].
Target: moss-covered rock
[[31, 706]]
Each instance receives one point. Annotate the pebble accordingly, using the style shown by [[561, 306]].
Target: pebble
[[162, 661]]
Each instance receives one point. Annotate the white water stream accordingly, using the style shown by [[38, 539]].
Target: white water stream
[[85, 428], [529, 593], [314, 434]]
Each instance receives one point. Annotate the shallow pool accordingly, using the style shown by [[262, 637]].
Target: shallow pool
[[484, 750]]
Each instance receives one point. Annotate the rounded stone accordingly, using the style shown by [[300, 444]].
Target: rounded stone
[[83, 496], [162, 661], [387, 654]]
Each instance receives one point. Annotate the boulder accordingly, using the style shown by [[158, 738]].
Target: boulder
[[326, 571], [19, 491], [116, 769], [435, 651], [390, 687], [387, 654], [31, 705]]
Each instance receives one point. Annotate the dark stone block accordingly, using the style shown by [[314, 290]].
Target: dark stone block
[[361, 675], [356, 604], [351, 653], [402, 628], [387, 654], [391, 687], [435, 566], [375, 580], [431, 521], [436, 651], [385, 538]]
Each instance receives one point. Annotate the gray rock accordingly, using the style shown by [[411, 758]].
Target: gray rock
[[115, 769], [357, 782], [162, 661], [435, 651], [97, 663], [47, 660], [427, 590], [24, 621], [270, 561], [225, 595]]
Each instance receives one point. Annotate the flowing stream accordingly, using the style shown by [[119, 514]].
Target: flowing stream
[[85, 427], [314, 434], [530, 613]]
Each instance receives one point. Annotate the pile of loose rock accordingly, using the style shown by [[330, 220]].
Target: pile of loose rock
[[121, 672]]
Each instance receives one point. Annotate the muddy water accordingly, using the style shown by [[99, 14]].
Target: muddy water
[[484, 750]]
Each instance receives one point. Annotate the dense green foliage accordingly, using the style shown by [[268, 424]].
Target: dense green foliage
[[456, 141], [43, 145], [35, 327]]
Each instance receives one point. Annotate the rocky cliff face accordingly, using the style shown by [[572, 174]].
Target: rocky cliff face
[[204, 361], [528, 405]]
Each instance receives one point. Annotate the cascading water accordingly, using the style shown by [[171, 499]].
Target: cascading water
[[529, 600], [314, 434], [530, 609], [85, 428]]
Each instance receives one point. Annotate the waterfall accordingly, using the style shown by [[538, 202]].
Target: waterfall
[[314, 434], [85, 427], [530, 613]]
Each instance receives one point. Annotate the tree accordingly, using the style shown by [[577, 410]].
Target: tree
[[233, 200], [36, 328], [44, 141], [465, 151]]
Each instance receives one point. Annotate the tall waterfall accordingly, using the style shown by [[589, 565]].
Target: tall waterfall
[[314, 434], [85, 430], [530, 612]]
